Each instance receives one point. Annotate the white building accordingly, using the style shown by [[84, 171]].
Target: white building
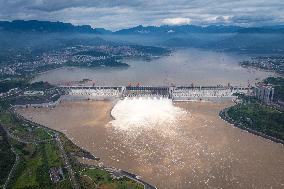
[[33, 93], [264, 92]]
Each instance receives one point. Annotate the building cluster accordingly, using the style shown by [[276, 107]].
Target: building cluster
[[11, 92], [55, 58], [122, 50], [86, 58], [264, 92], [56, 174], [33, 93], [77, 54], [7, 70], [274, 63]]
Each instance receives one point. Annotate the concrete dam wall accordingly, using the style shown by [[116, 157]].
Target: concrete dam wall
[[207, 93]]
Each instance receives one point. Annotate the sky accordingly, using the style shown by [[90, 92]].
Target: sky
[[118, 14]]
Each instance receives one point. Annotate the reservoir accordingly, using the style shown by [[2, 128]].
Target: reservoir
[[181, 67]]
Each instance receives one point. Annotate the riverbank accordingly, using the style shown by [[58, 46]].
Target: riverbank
[[256, 118], [31, 142], [85, 156]]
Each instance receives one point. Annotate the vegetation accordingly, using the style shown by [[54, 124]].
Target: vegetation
[[259, 117], [50, 92], [7, 157], [73, 152], [101, 179], [23, 129], [6, 85], [73, 149], [109, 62], [39, 86], [36, 159], [34, 166]]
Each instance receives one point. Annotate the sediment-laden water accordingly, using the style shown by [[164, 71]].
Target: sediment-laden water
[[193, 149]]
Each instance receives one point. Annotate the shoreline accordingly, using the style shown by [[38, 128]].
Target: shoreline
[[224, 116], [277, 74], [127, 174]]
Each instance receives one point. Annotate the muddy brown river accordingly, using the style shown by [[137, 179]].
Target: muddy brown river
[[199, 151]]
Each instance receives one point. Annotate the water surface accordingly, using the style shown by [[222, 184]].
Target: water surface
[[182, 67], [198, 151]]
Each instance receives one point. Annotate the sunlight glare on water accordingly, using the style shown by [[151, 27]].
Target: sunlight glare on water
[[146, 114]]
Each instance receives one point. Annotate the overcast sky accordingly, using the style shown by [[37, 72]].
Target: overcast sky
[[117, 14]]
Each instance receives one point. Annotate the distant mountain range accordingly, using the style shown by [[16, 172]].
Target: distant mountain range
[[44, 26], [185, 29], [29, 34], [47, 26]]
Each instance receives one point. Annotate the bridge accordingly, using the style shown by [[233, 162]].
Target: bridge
[[176, 93]]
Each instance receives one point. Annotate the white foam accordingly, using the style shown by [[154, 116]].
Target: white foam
[[145, 113]]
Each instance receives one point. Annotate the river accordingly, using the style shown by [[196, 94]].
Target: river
[[198, 151]]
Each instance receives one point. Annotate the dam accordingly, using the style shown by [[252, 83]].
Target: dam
[[176, 93]]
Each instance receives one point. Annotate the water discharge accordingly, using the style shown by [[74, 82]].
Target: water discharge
[[139, 114]]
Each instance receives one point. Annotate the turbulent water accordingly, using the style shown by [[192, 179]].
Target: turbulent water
[[182, 67], [134, 116]]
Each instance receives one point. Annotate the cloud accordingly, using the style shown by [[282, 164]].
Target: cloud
[[222, 18], [252, 19], [117, 14], [176, 21]]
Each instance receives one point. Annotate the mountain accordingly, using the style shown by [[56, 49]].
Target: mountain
[[44, 26], [54, 27], [186, 29], [33, 34], [183, 29], [103, 31], [251, 43], [266, 39]]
